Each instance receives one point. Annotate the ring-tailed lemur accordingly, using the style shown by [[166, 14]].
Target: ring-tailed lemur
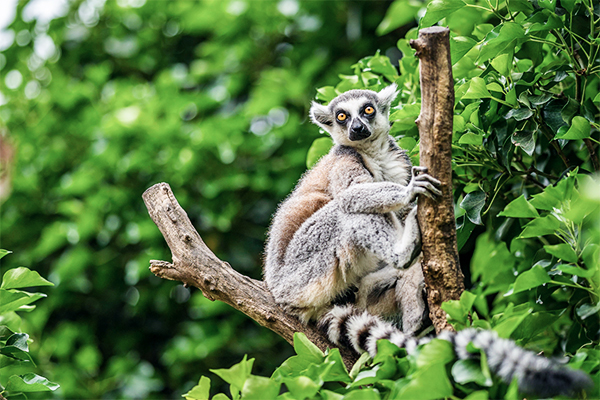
[[344, 248]]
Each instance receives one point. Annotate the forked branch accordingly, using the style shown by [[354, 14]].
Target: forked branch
[[195, 264]]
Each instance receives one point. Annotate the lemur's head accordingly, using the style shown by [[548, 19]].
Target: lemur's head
[[357, 116]]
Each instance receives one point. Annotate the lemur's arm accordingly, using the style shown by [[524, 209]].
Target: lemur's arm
[[384, 197]]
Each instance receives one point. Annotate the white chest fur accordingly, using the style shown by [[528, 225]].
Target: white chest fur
[[387, 164]]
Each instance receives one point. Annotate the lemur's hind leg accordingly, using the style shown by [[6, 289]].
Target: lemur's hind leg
[[410, 295]]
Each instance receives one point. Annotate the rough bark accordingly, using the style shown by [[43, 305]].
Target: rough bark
[[195, 264], [443, 277]]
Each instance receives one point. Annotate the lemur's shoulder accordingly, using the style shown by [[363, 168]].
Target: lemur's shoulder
[[338, 169]]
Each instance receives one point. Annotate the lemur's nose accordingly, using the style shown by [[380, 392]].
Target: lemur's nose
[[358, 126], [358, 130]]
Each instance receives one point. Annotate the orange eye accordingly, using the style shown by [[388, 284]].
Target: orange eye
[[341, 117], [369, 110]]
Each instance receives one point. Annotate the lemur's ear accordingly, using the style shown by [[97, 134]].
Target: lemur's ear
[[321, 116], [386, 96]]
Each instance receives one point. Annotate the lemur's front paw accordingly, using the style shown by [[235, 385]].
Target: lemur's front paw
[[425, 184]]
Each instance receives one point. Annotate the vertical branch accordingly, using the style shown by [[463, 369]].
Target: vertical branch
[[441, 268]]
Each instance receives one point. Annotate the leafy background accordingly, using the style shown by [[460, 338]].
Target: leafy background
[[100, 100]]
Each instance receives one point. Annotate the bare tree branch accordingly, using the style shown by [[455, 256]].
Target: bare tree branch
[[195, 264], [441, 267]]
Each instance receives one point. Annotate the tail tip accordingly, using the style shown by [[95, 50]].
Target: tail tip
[[563, 381]]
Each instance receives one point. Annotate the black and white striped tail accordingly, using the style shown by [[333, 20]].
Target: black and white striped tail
[[348, 327]]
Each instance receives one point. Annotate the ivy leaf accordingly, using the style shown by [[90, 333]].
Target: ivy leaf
[[399, 14], [519, 114], [540, 226], [318, 149], [459, 46], [587, 310], [201, 391], [519, 208], [477, 89], [428, 383], [4, 252], [562, 251], [326, 93], [580, 129], [438, 9], [306, 349], [30, 383], [525, 140], [473, 204], [302, 387], [500, 40], [471, 138], [12, 300], [22, 277], [535, 277], [236, 375], [16, 347], [467, 371]]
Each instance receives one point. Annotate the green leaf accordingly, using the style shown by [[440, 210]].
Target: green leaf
[[500, 40], [337, 372], [260, 388], [398, 14], [579, 129], [459, 46], [467, 371], [471, 138], [306, 349], [519, 208], [478, 395], [30, 383], [540, 226], [438, 9], [428, 383], [4, 252], [571, 270], [503, 63], [236, 375], [363, 394], [437, 351], [318, 149], [525, 140], [519, 114], [533, 278], [473, 204], [302, 387], [16, 347], [587, 310], [326, 93], [477, 89], [549, 4], [562, 251], [199, 392], [12, 300], [22, 277], [407, 143], [5, 332]]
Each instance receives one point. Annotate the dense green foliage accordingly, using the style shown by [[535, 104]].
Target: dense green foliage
[[14, 346], [209, 96], [212, 97], [527, 79]]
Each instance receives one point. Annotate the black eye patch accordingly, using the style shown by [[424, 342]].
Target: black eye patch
[[368, 110]]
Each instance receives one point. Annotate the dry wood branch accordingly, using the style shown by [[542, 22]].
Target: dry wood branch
[[441, 268], [195, 265]]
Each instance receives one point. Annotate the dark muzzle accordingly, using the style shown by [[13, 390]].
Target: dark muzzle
[[358, 130]]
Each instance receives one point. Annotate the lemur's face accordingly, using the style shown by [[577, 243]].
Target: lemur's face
[[356, 117]]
